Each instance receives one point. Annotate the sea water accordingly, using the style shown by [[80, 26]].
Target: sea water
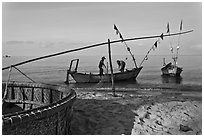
[[54, 70]]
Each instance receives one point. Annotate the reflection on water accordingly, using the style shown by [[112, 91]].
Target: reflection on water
[[171, 79]]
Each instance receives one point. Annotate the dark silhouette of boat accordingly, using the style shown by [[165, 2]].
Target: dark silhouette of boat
[[171, 69], [127, 75]]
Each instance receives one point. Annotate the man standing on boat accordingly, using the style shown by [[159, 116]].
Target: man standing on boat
[[101, 65], [121, 65]]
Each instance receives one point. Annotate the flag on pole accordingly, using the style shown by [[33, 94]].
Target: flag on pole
[[148, 52], [167, 28], [181, 25], [162, 36], [155, 44], [116, 29], [121, 37], [128, 49]]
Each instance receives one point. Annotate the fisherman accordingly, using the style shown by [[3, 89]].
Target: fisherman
[[101, 65], [121, 65]]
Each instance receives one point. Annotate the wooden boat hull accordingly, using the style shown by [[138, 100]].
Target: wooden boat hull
[[95, 78], [171, 70]]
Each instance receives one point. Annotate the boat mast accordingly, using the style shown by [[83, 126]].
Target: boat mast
[[177, 48], [171, 47], [175, 56]]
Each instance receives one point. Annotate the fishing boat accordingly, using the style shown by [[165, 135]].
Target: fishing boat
[[172, 69], [127, 75]]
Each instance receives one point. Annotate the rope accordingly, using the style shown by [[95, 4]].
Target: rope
[[168, 32], [179, 40], [128, 48], [153, 47], [24, 75], [6, 88], [175, 56], [177, 48]]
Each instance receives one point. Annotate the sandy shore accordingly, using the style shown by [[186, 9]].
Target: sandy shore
[[97, 112]]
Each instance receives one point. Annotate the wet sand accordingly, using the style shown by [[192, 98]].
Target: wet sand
[[135, 112]]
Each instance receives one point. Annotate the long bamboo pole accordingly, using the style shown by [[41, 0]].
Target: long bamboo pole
[[94, 45], [111, 68]]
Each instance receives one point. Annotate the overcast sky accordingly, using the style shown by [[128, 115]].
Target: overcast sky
[[36, 29]]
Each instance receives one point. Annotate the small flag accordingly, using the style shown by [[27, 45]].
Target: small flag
[[162, 36], [116, 29], [148, 52], [167, 28], [181, 25], [121, 36], [128, 49], [155, 44]]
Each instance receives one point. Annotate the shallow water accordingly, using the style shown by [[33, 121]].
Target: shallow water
[[53, 70]]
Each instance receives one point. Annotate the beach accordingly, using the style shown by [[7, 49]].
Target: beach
[[137, 112]]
